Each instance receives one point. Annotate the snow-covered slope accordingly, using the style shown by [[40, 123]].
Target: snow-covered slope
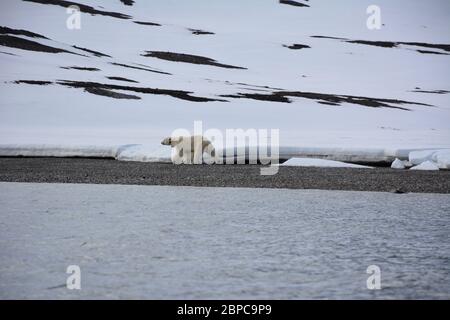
[[137, 70]]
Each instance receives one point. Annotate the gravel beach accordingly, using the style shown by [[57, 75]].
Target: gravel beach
[[102, 171]]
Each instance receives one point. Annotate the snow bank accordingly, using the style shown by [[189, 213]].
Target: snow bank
[[440, 157], [343, 154], [129, 152], [361, 155], [159, 153], [45, 150], [313, 162], [145, 153], [417, 157], [427, 165]]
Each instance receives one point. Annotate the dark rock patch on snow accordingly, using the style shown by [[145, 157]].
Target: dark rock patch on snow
[[431, 91], [294, 3], [122, 79], [180, 94], [431, 52], [83, 8], [187, 58], [139, 68], [110, 93], [147, 23], [95, 53], [81, 68], [328, 99], [127, 2], [34, 82], [328, 103], [6, 30], [384, 44], [445, 47], [24, 44], [199, 32], [327, 37], [260, 97], [296, 46], [396, 44]]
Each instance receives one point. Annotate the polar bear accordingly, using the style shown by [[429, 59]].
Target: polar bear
[[189, 149]]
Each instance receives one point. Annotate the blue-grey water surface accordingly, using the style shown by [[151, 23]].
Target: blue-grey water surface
[[212, 243]]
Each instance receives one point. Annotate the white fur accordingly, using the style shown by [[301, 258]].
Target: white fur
[[189, 149]]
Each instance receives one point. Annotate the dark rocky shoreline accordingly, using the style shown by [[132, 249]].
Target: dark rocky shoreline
[[105, 171]]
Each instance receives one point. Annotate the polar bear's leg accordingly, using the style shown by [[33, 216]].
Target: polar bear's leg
[[177, 154], [187, 155], [183, 145], [208, 147], [173, 155], [197, 156]]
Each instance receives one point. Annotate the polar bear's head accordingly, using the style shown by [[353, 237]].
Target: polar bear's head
[[167, 141]]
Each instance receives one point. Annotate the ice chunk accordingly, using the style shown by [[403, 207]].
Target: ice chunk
[[417, 157], [314, 162], [427, 165], [442, 157], [398, 164]]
